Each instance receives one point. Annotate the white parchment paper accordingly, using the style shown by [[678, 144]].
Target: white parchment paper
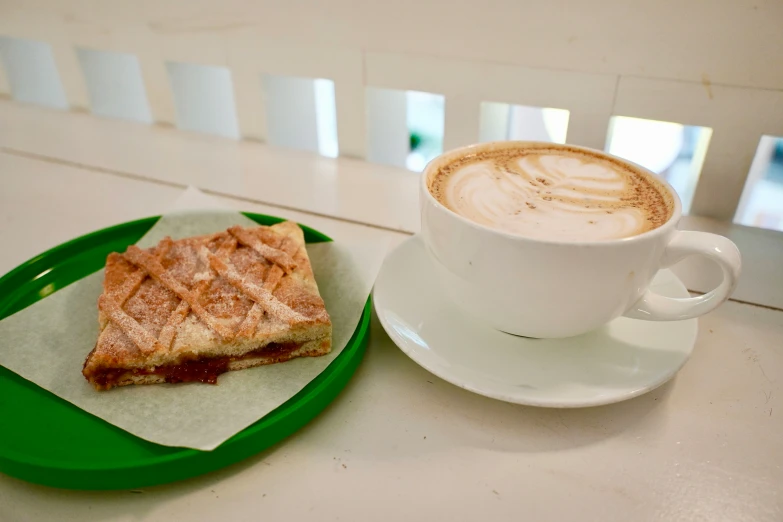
[[48, 342]]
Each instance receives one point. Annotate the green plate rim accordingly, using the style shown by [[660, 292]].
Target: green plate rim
[[347, 361]]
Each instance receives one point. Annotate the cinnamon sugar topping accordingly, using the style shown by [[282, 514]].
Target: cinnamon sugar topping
[[276, 256], [259, 294], [135, 332]]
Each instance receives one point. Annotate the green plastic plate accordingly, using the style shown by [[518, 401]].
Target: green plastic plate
[[46, 440]]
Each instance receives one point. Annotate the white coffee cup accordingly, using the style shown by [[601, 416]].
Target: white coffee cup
[[547, 289]]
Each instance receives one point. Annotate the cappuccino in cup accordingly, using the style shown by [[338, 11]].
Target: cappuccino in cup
[[552, 193], [546, 240]]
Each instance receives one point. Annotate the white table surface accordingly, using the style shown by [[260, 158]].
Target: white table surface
[[399, 443]]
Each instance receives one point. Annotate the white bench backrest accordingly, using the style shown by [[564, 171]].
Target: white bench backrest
[[711, 64]]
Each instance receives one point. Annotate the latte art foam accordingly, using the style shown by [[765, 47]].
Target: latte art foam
[[554, 193]]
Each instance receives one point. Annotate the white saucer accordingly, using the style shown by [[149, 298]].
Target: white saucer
[[626, 358]]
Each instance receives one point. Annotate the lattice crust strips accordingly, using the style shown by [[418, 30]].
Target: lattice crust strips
[[228, 281]]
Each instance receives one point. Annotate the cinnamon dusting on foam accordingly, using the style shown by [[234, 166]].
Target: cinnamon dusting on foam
[[558, 193]]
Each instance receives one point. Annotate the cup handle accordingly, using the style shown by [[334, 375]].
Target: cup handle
[[655, 307]]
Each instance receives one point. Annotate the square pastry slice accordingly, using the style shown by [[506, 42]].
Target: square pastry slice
[[191, 309]]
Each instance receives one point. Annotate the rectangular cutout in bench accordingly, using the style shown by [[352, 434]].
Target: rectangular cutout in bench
[[301, 113], [115, 85], [503, 121], [32, 72], [204, 99], [761, 204], [675, 152], [404, 128]]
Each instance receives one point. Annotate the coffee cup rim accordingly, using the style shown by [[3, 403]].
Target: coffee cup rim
[[449, 154]]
